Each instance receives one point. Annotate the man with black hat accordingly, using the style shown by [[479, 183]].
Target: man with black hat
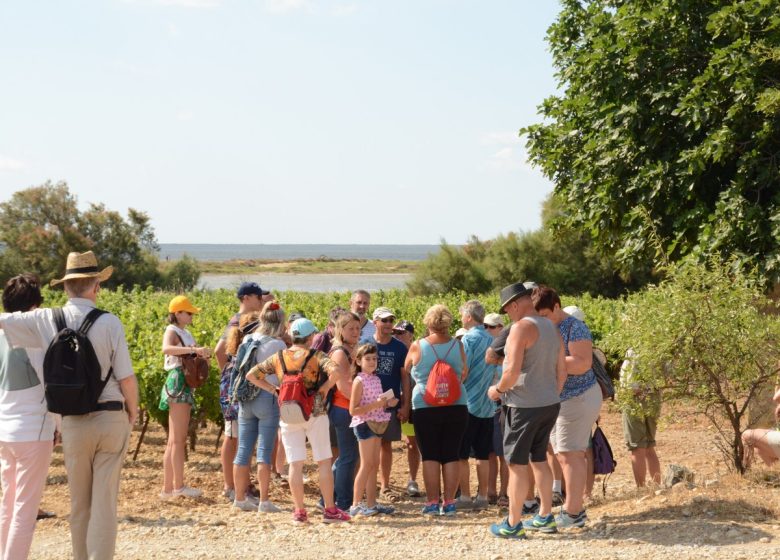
[[531, 381], [252, 298], [93, 444]]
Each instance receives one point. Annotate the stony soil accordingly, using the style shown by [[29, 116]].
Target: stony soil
[[720, 516]]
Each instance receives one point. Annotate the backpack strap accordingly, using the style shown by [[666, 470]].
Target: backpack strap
[[59, 318], [280, 355], [89, 320], [433, 347]]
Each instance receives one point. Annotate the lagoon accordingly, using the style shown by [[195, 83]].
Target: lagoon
[[307, 282]]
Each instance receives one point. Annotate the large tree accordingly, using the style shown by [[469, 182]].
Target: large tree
[[665, 137], [41, 225]]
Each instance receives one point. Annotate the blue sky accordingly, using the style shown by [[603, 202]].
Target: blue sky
[[281, 121]]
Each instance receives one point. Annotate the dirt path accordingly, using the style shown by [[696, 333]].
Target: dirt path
[[722, 516]]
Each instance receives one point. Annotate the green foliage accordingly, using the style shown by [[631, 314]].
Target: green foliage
[[450, 269], [703, 336], [183, 275], [41, 225], [665, 138]]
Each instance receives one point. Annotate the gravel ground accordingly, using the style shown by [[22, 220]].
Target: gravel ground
[[720, 516]]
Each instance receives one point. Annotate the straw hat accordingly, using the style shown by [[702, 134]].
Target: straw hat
[[83, 265]]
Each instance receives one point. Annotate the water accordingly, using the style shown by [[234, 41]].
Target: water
[[208, 252], [307, 282]]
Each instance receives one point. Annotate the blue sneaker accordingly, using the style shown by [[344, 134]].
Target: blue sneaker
[[542, 524], [430, 509], [369, 511], [387, 510], [354, 511], [504, 530], [566, 521], [449, 510]]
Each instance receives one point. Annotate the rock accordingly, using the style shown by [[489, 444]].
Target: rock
[[686, 513], [675, 474], [659, 492], [733, 533], [765, 540], [711, 483]]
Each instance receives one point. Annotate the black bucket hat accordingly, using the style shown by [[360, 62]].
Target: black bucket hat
[[514, 291]]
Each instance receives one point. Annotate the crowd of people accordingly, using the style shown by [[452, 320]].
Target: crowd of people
[[519, 398]]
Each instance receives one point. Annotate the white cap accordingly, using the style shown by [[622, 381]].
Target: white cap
[[575, 312]]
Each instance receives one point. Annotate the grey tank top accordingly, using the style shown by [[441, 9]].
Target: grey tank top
[[537, 385]]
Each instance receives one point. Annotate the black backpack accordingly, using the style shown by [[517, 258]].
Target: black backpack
[[71, 371]]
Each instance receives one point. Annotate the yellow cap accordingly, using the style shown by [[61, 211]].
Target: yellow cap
[[181, 303]]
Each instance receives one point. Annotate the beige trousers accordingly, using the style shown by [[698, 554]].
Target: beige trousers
[[94, 446]]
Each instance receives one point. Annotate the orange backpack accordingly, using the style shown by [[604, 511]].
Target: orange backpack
[[443, 386]]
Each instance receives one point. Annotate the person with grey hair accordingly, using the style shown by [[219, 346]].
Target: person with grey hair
[[478, 439], [359, 304]]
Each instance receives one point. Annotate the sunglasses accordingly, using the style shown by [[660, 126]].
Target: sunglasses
[[388, 320], [493, 326]]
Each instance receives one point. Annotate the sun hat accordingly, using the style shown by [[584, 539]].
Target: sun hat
[[514, 291], [181, 303], [575, 312], [249, 289], [494, 320], [301, 328], [83, 265], [402, 327], [382, 313]]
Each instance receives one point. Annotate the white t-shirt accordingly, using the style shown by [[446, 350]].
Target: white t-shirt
[[172, 362], [36, 329], [367, 332], [23, 413]]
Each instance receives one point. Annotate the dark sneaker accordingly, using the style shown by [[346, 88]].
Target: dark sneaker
[[558, 498], [383, 509], [504, 530], [531, 510], [541, 524]]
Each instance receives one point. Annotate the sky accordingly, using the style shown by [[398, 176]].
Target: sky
[[281, 121]]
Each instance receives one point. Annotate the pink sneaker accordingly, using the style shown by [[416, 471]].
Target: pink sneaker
[[300, 517], [335, 515]]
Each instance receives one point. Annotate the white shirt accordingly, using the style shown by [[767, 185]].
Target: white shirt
[[367, 332], [172, 362], [36, 329]]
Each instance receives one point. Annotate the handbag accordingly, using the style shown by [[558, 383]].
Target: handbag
[[378, 427], [196, 368], [599, 371]]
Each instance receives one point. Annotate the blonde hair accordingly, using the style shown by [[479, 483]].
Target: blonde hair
[[272, 320], [438, 318], [340, 323], [237, 334], [363, 350]]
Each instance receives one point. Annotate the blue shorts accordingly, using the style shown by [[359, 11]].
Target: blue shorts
[[258, 422], [363, 432]]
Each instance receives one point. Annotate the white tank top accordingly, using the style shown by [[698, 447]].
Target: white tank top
[[172, 362]]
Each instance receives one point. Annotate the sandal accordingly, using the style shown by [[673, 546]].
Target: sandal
[[492, 499], [391, 496], [503, 501]]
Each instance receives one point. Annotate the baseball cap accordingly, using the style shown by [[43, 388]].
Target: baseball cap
[[575, 312], [402, 327], [301, 328], [460, 332], [382, 313], [494, 320], [181, 303], [251, 288]]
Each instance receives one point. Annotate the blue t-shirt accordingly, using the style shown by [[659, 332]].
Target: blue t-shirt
[[572, 330], [481, 374], [390, 360], [422, 369]]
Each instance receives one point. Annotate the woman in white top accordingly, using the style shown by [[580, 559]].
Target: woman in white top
[[26, 428], [176, 396]]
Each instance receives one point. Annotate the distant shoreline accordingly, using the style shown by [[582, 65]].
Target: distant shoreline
[[306, 266]]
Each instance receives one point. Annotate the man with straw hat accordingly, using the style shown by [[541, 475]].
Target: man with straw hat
[[93, 444]]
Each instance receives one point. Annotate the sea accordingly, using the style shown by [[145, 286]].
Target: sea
[[301, 282]]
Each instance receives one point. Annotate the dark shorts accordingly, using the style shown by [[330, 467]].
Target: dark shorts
[[440, 432], [498, 432], [393, 432], [527, 433], [478, 439]]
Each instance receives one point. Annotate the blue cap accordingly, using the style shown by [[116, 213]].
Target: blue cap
[[301, 328], [251, 288]]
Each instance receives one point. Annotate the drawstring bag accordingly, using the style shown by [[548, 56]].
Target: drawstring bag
[[603, 459], [443, 386]]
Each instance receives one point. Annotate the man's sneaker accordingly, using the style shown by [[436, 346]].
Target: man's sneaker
[[244, 505], [504, 530], [335, 515], [566, 521], [386, 510], [464, 502], [229, 494], [354, 511], [369, 511], [268, 507], [448, 510], [531, 510], [412, 489], [430, 509], [188, 492], [300, 517], [479, 503], [558, 498], [541, 524]]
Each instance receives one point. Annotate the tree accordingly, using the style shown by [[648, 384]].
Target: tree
[[668, 126], [702, 337], [41, 225]]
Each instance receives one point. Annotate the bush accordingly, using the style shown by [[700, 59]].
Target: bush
[[183, 275]]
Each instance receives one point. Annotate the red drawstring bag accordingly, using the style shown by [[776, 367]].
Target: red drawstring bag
[[443, 386]]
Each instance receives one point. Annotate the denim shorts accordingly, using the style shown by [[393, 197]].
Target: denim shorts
[[363, 432], [258, 421]]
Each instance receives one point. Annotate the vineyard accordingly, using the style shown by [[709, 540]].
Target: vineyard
[[144, 314]]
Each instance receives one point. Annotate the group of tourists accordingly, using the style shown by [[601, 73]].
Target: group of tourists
[[519, 398]]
